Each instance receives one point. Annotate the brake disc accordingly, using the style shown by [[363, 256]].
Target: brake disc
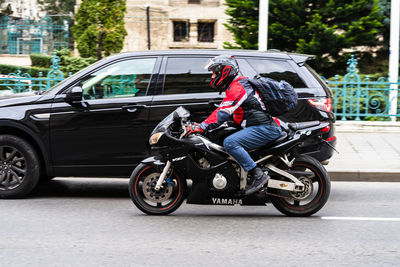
[[308, 189], [151, 194]]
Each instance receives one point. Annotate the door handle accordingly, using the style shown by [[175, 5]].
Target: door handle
[[133, 108]]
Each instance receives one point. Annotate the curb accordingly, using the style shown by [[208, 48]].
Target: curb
[[367, 127], [365, 176]]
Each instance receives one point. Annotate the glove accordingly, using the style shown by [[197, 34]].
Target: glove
[[193, 128]]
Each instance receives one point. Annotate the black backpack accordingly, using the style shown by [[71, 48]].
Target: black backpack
[[278, 97]]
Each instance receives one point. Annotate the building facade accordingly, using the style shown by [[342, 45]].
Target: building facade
[[27, 9], [175, 24], [172, 24]]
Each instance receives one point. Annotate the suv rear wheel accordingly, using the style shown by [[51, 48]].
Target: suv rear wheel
[[19, 167]]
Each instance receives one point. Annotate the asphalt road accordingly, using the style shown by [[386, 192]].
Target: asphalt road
[[92, 222]]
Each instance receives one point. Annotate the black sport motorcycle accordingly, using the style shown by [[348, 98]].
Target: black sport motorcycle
[[198, 168]]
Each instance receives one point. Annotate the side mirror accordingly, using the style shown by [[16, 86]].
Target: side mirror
[[75, 94]]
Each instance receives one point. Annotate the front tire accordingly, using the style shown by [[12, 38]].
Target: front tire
[[19, 167], [162, 202], [315, 195]]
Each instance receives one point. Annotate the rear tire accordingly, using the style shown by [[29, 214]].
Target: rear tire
[[318, 187], [19, 167], [162, 202]]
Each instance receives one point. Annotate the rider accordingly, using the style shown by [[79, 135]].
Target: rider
[[242, 104]]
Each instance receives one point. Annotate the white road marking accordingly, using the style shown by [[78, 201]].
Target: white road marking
[[361, 219]]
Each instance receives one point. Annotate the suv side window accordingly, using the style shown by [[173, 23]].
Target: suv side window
[[186, 75], [127, 78], [277, 70]]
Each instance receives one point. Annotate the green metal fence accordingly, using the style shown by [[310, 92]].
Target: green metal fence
[[120, 85], [25, 36], [23, 82], [355, 97], [360, 98], [19, 82]]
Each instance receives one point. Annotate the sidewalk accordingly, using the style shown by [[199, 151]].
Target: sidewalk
[[369, 151], [17, 60]]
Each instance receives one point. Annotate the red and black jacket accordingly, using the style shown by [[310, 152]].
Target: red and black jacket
[[242, 104]]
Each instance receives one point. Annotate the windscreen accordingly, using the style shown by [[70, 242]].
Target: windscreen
[[179, 113]]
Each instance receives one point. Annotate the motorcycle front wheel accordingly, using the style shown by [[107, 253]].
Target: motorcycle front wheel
[[317, 189], [150, 201]]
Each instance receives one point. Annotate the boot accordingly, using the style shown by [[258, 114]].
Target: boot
[[258, 179]]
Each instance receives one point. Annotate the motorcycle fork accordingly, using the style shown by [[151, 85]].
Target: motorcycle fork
[[162, 176]]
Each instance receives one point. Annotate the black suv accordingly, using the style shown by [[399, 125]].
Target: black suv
[[97, 122]]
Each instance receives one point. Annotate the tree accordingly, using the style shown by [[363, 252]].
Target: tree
[[323, 28], [384, 5], [100, 27]]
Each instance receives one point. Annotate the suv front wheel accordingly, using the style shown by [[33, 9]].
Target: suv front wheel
[[19, 167]]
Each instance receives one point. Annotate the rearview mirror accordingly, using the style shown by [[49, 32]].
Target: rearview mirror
[[75, 94]]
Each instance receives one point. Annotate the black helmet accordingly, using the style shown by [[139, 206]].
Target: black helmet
[[226, 69]]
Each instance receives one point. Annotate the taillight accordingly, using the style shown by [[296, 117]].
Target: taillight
[[326, 129], [332, 138], [323, 103]]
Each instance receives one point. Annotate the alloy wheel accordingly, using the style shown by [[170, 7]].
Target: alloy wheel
[[12, 168]]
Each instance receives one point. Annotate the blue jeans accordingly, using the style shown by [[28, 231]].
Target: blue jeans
[[247, 139]]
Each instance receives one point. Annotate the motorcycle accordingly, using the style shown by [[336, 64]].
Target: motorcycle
[[198, 168]]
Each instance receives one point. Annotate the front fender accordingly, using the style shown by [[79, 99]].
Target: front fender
[[155, 162]]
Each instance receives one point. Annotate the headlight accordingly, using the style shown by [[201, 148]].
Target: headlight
[[154, 138]]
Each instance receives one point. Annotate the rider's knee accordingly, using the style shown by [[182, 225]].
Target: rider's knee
[[229, 143]]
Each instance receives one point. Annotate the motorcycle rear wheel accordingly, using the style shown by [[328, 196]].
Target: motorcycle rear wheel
[[316, 194], [150, 201]]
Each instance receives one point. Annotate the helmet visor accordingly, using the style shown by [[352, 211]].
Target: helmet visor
[[208, 64]]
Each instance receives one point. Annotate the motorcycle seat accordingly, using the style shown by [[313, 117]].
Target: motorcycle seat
[[280, 138], [283, 136], [301, 125], [256, 153]]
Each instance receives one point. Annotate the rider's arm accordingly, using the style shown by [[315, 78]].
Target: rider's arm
[[235, 96]]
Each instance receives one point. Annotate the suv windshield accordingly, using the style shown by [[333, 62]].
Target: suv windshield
[[65, 80], [72, 77]]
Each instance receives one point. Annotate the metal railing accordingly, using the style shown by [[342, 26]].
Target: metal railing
[[19, 82], [355, 97], [360, 98], [25, 36], [23, 82]]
